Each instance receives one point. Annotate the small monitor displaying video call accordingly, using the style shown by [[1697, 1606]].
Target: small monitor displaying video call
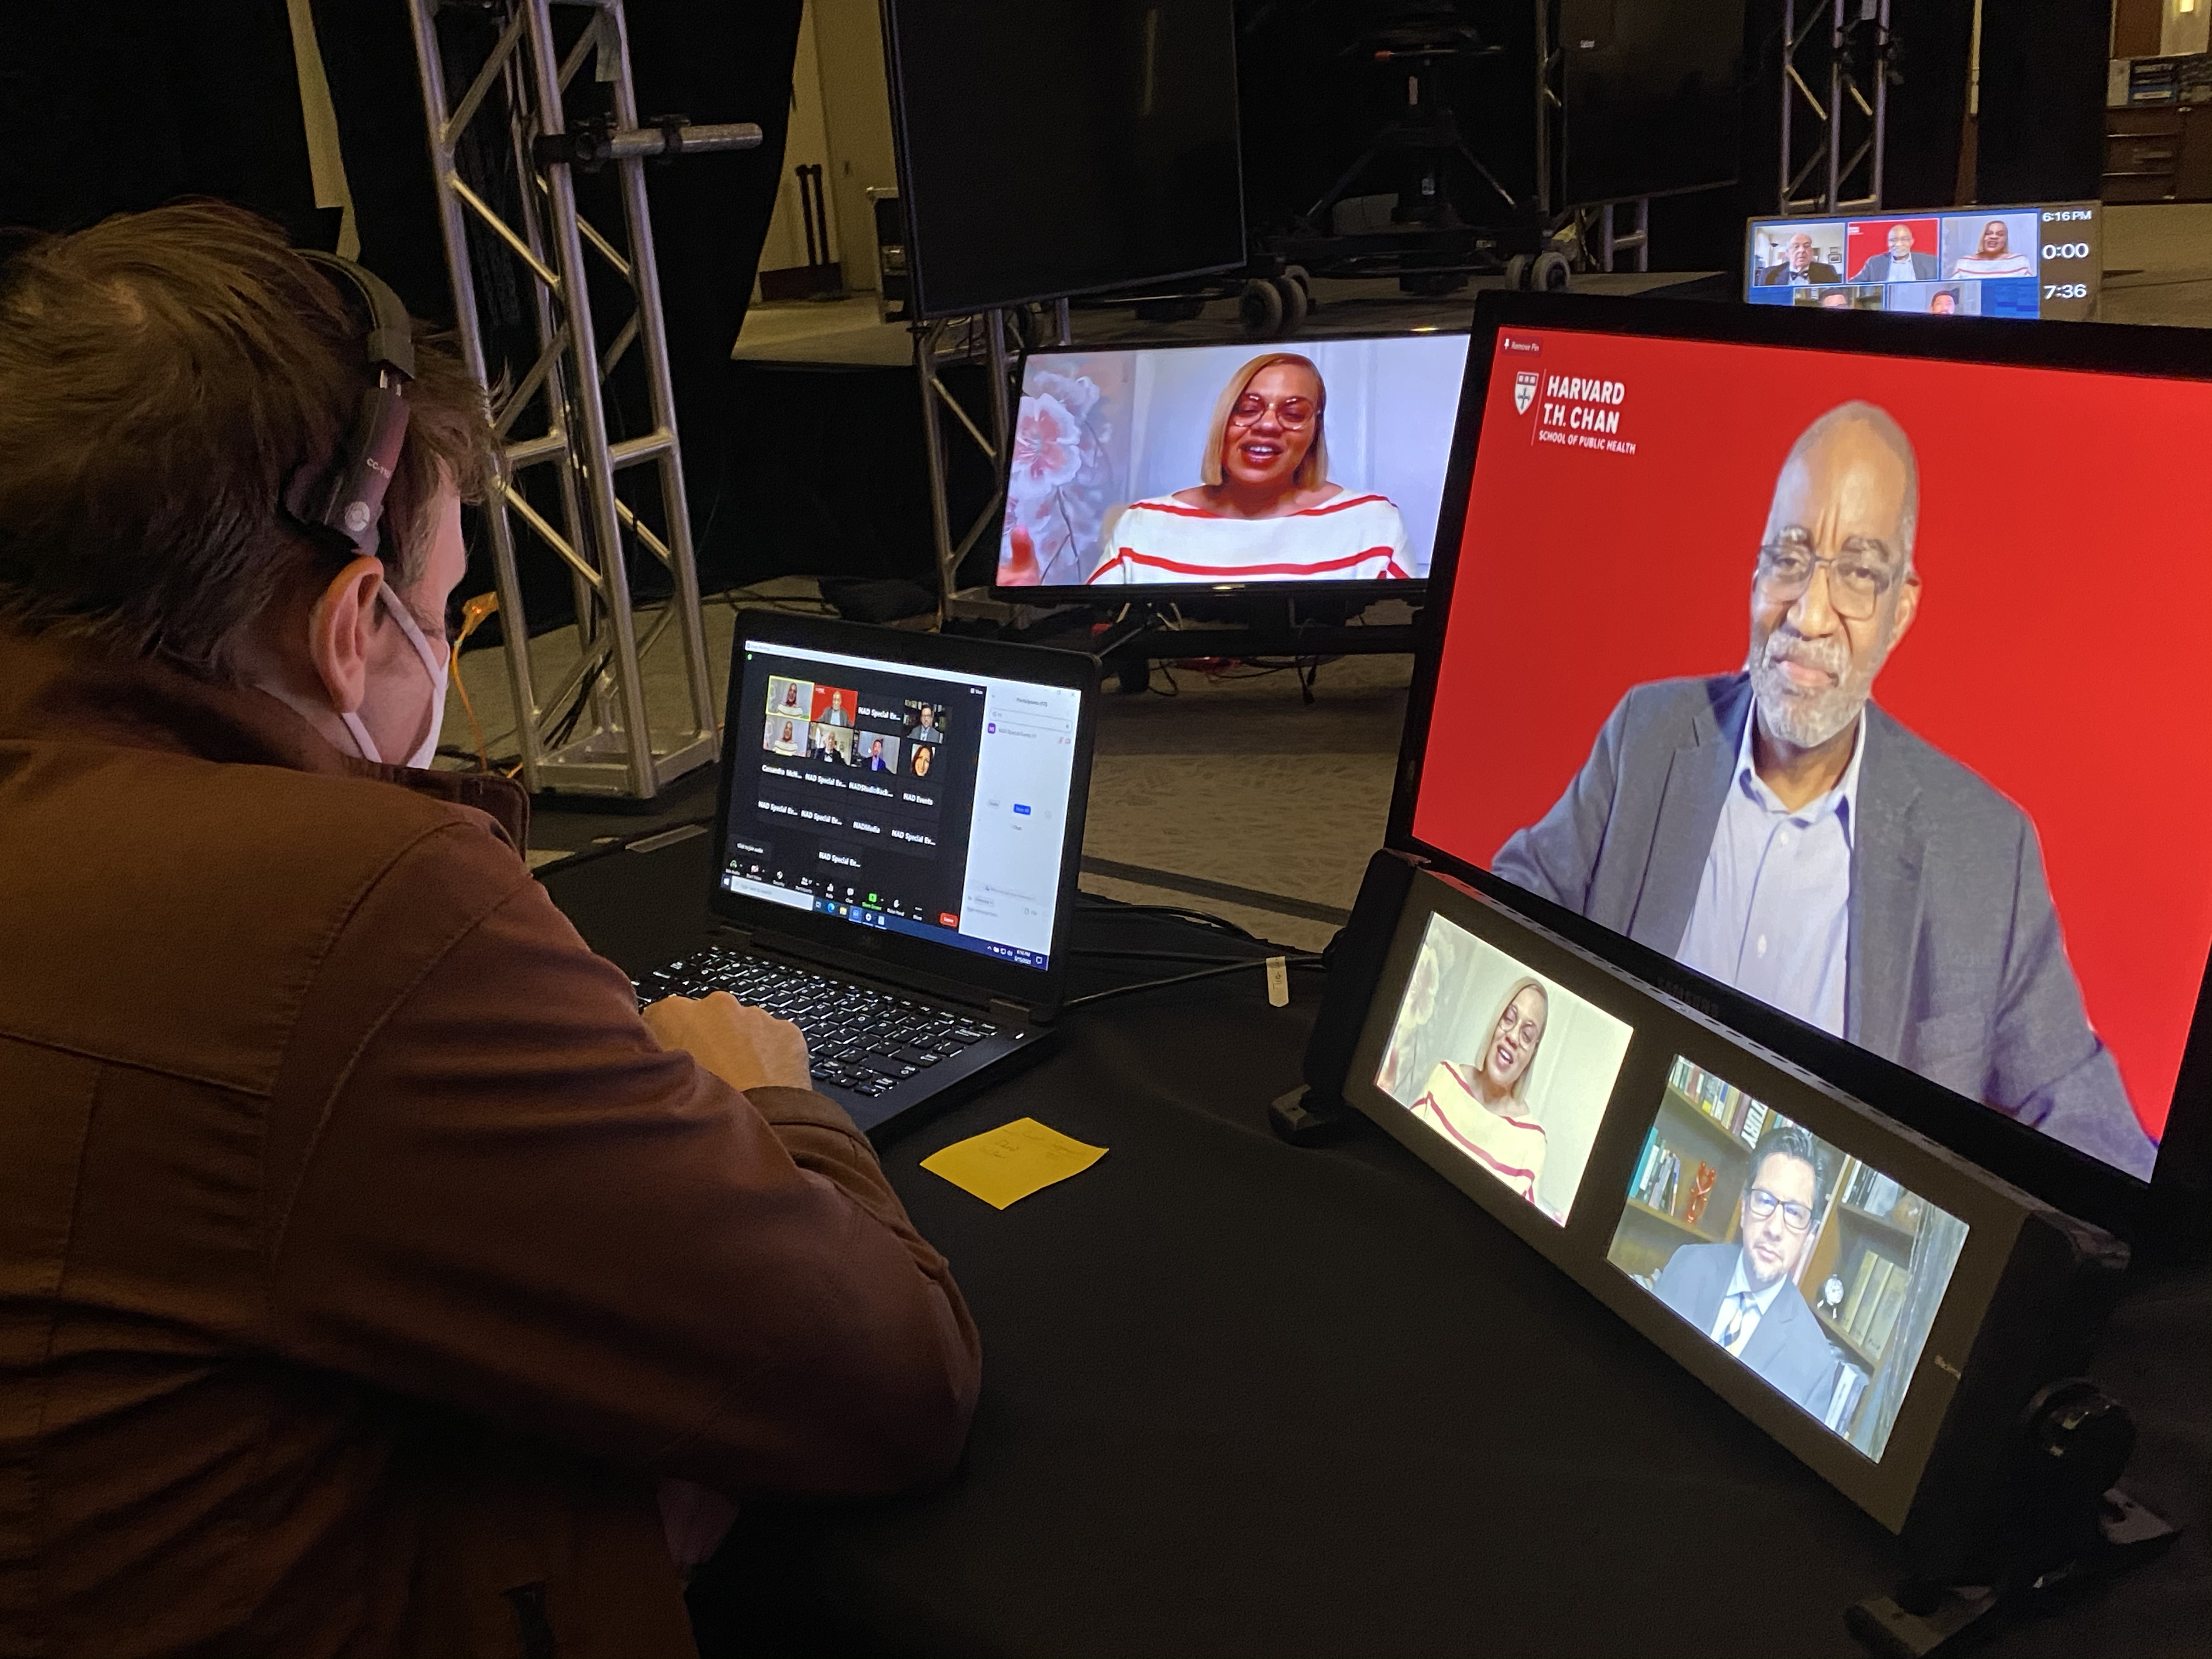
[[915, 800], [1509, 1069], [2043, 262], [1230, 465], [1818, 1273], [1843, 687]]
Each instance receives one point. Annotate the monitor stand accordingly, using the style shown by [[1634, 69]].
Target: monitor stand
[[2073, 1529], [1266, 625]]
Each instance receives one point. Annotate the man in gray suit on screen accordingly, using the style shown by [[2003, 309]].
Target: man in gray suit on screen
[[1776, 831], [1744, 1295]]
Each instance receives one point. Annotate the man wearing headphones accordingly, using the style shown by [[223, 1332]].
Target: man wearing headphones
[[367, 1263]]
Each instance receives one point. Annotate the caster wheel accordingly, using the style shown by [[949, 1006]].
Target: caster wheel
[[1516, 271], [1293, 295], [1259, 310], [1550, 273]]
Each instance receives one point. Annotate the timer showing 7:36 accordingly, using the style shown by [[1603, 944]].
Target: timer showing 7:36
[[2069, 261]]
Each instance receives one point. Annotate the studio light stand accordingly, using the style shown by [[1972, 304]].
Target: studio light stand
[[592, 735], [1427, 245]]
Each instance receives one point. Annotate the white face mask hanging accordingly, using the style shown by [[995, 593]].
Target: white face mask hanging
[[434, 665]]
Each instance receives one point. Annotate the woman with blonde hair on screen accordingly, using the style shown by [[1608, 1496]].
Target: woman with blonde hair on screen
[[1993, 256], [1265, 509], [1482, 1109]]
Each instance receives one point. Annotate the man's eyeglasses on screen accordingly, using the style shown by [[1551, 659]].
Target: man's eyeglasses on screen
[[1858, 577], [1761, 1204]]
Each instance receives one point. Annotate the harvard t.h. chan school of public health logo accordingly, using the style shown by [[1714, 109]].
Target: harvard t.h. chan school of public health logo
[[1524, 390]]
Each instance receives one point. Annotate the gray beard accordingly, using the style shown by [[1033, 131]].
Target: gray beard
[[1794, 717]]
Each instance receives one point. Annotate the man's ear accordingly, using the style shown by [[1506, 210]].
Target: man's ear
[[1908, 607], [339, 624]]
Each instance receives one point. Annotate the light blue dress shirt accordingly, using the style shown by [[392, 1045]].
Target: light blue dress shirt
[[1773, 916]]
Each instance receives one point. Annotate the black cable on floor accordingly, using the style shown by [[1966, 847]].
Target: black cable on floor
[[1185, 979], [1192, 956], [1099, 901]]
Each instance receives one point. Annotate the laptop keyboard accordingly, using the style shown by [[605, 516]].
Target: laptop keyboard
[[864, 1041]]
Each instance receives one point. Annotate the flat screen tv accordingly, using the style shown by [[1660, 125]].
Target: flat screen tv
[[2044, 262], [1051, 150], [1834, 671], [1229, 468]]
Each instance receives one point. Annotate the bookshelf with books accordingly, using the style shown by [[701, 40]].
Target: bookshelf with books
[[1858, 1276], [1689, 1182]]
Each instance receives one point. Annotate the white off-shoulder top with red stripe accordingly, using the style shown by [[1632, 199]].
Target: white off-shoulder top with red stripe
[[1511, 1148], [1351, 538]]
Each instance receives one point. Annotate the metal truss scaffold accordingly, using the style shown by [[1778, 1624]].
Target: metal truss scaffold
[[994, 339], [1832, 143], [592, 735]]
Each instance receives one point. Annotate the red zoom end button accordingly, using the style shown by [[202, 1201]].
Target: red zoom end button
[[947, 918]]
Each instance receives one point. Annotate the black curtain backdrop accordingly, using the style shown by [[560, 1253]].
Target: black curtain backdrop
[[128, 104], [713, 62], [2042, 129], [1928, 101]]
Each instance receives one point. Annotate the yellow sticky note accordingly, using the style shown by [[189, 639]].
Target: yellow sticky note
[[1011, 1161]]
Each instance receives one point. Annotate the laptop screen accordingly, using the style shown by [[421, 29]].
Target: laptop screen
[[918, 800]]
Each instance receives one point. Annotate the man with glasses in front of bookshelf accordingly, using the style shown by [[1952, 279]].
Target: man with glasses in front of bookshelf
[[1744, 1294], [1777, 830]]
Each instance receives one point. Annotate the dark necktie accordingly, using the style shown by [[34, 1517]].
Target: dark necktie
[[1732, 1331]]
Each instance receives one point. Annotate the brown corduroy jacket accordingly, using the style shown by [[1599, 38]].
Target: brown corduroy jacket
[[363, 1259]]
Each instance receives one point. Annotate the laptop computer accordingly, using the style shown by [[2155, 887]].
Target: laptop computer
[[896, 852]]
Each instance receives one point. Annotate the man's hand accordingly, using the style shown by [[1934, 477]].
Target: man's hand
[[746, 1047]]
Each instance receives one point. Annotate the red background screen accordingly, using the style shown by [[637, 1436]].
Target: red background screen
[[1865, 238], [2057, 651]]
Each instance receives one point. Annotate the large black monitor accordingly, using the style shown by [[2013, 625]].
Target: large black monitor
[[1229, 467], [1050, 150], [1832, 671]]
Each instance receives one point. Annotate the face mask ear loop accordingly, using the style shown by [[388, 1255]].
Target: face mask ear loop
[[364, 746], [435, 666]]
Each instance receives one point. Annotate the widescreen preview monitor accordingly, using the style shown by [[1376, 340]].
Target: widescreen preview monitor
[[1229, 467], [888, 795], [1881, 1307], [1045, 151], [1811, 665], [2045, 261]]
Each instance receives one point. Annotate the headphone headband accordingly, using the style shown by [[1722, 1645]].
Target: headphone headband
[[390, 341]]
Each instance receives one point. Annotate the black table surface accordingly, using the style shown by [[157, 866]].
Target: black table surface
[[1242, 1398]]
